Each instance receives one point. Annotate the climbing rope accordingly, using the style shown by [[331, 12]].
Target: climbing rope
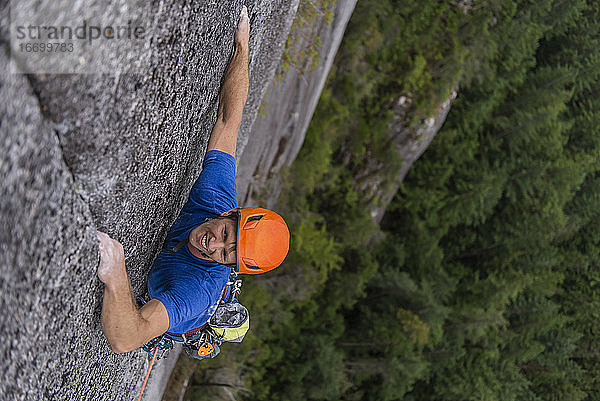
[[148, 374]]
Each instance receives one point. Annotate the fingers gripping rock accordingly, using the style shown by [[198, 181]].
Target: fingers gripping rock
[[243, 28], [112, 258]]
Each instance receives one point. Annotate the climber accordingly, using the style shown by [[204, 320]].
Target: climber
[[211, 236]]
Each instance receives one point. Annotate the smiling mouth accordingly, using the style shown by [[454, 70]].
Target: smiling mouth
[[203, 242]]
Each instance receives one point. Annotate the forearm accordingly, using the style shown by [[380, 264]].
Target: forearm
[[121, 320], [234, 92], [125, 326], [231, 103]]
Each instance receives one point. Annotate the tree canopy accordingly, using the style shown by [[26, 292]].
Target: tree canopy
[[482, 281]]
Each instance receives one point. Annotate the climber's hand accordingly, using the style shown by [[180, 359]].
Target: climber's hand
[[111, 268], [242, 33]]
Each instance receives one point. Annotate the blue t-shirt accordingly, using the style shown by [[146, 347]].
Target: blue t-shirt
[[190, 288]]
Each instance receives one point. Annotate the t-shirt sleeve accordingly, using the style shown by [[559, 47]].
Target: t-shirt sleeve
[[181, 307], [214, 191]]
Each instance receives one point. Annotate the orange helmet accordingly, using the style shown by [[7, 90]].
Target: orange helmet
[[263, 240]]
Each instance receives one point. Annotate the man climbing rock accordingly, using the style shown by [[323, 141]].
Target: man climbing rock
[[210, 237]]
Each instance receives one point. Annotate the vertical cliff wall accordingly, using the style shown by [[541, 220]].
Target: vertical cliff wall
[[117, 152], [288, 110], [289, 107]]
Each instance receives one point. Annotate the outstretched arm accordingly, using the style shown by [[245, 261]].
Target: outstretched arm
[[125, 326], [234, 92]]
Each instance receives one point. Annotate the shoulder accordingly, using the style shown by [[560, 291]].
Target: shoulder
[[215, 189], [188, 289]]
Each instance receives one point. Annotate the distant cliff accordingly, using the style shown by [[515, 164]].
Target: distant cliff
[[277, 136], [289, 107], [410, 140], [117, 152]]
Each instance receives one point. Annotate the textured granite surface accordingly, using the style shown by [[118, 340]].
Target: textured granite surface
[[117, 152]]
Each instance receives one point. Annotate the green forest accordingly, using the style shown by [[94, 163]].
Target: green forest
[[482, 281]]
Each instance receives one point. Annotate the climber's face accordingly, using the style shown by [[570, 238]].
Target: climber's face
[[216, 239]]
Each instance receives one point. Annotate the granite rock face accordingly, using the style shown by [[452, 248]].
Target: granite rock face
[[116, 152]]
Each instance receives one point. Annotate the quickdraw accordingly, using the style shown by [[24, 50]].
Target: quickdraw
[[162, 344]]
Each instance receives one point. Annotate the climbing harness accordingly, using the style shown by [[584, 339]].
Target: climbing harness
[[229, 323], [162, 344]]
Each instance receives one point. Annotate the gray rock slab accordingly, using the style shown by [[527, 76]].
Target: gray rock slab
[[117, 152], [160, 374], [52, 344]]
